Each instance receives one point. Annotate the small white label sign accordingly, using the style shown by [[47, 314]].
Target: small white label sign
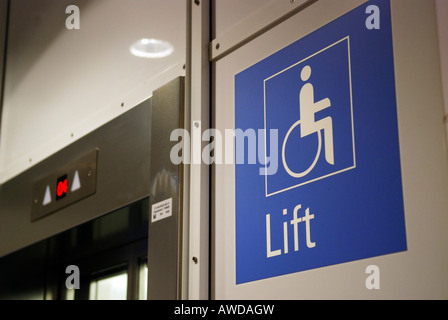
[[161, 210]]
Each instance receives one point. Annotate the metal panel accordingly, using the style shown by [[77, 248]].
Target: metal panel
[[164, 244], [79, 175], [4, 7], [122, 178], [421, 271], [442, 22], [261, 21], [199, 104]]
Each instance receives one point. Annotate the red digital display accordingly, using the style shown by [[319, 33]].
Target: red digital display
[[61, 187]]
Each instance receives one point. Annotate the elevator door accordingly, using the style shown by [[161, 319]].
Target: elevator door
[[110, 253]]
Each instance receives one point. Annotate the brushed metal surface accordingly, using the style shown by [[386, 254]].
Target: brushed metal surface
[[124, 146], [85, 167], [133, 162], [164, 245]]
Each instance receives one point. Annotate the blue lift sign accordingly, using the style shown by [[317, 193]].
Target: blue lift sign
[[330, 190]]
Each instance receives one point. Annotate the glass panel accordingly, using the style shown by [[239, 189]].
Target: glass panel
[[22, 273], [106, 247], [143, 280], [123, 225], [110, 288], [70, 294], [114, 223]]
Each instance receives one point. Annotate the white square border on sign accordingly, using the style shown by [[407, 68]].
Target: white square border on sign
[[352, 121]]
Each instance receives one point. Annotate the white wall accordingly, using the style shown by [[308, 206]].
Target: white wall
[[62, 84], [418, 273]]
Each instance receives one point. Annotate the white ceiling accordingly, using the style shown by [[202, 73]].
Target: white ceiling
[[62, 84]]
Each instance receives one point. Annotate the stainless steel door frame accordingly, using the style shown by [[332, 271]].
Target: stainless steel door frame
[[127, 163]]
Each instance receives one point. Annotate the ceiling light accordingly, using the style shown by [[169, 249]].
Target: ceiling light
[[151, 48]]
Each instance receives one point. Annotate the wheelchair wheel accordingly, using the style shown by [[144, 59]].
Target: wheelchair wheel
[[316, 158]]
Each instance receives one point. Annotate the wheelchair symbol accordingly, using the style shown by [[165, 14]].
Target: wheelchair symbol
[[308, 125]]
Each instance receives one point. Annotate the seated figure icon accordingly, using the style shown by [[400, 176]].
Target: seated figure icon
[[309, 125], [311, 105], [308, 109]]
